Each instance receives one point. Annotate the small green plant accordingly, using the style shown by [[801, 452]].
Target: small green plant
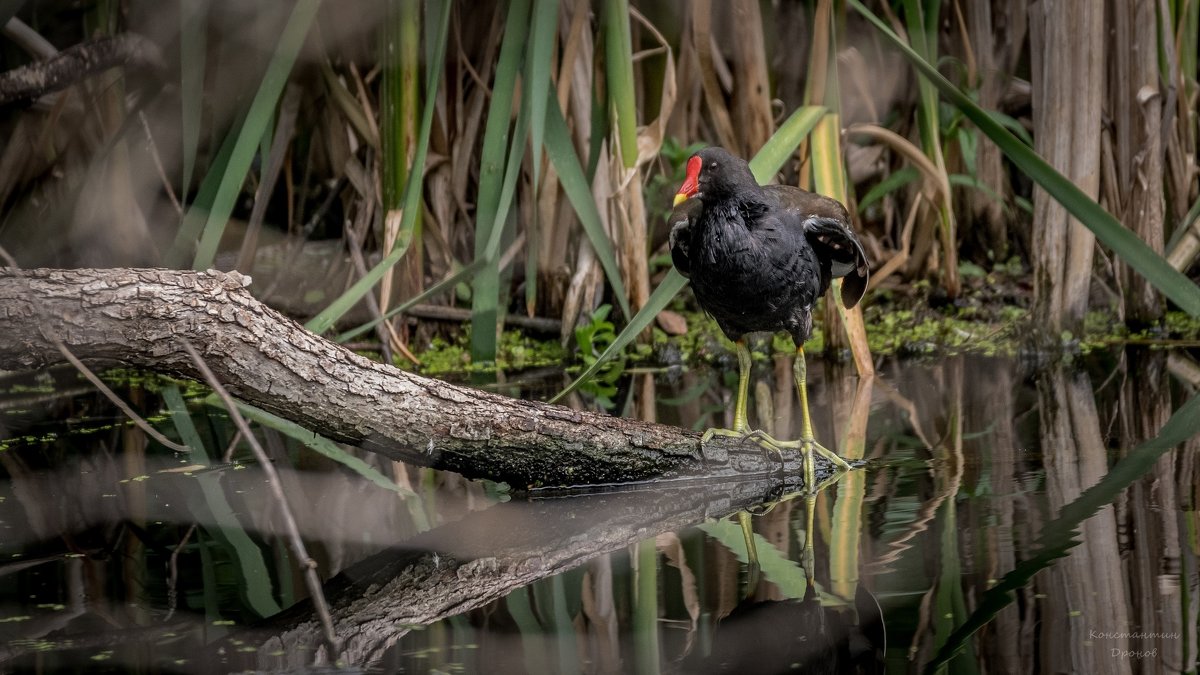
[[593, 339]]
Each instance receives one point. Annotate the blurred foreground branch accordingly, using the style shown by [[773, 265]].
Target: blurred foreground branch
[[73, 64], [138, 317]]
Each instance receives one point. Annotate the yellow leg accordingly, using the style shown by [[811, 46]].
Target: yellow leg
[[739, 406], [808, 559], [753, 570], [808, 444], [741, 427]]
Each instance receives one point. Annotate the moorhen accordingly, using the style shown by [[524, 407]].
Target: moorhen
[[758, 258]]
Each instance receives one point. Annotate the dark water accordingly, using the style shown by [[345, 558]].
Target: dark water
[[972, 540]]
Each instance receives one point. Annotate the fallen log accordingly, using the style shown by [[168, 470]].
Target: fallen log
[[140, 317]]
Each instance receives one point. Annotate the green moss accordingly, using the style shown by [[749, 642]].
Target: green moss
[[906, 332], [516, 351], [911, 322]]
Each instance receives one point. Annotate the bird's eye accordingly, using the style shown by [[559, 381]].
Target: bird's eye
[[712, 165]]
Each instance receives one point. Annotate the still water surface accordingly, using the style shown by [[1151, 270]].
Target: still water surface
[[968, 541]]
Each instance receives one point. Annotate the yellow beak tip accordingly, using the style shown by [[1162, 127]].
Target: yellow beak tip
[[679, 199]]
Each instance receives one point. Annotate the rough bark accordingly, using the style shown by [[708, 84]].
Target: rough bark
[[139, 316], [1068, 93]]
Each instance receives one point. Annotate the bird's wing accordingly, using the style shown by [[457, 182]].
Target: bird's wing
[[837, 244], [681, 219]]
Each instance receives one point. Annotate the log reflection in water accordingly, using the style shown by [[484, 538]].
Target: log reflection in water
[[486, 555]]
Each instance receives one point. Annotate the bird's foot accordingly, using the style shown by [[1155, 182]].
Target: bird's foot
[[808, 448], [709, 434], [762, 438], [739, 433], [768, 443]]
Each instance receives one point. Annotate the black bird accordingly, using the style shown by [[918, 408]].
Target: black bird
[[758, 258]]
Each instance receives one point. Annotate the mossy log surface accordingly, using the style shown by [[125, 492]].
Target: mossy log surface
[[140, 317]]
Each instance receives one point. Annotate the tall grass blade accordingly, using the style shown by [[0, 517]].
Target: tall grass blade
[[317, 443], [325, 320], [489, 221], [441, 286], [258, 594], [521, 610], [184, 246], [646, 652], [771, 158], [252, 130], [193, 55], [398, 104], [1181, 290], [256, 587], [579, 192], [829, 178], [399, 113], [922, 33], [618, 60], [538, 65], [181, 417]]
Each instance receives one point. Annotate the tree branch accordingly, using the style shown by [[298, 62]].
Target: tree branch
[[137, 316]]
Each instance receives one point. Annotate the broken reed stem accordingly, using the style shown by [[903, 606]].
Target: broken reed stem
[[297, 544]]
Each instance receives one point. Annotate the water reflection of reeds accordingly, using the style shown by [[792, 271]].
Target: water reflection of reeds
[[1012, 521]]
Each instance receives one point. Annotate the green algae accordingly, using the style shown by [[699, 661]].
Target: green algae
[[516, 351], [920, 330]]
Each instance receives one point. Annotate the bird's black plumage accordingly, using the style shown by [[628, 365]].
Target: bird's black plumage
[[759, 257]]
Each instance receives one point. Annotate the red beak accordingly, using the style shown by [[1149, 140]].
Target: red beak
[[691, 184]]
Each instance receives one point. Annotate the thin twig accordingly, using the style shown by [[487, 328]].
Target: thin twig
[[383, 329], [297, 543], [116, 400], [173, 579], [232, 447], [162, 173]]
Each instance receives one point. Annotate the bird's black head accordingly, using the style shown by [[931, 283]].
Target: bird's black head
[[714, 175]]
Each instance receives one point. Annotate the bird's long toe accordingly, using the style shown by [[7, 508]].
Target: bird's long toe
[[838, 462], [735, 433]]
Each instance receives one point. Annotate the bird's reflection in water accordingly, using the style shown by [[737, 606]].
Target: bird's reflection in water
[[797, 636], [817, 633]]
